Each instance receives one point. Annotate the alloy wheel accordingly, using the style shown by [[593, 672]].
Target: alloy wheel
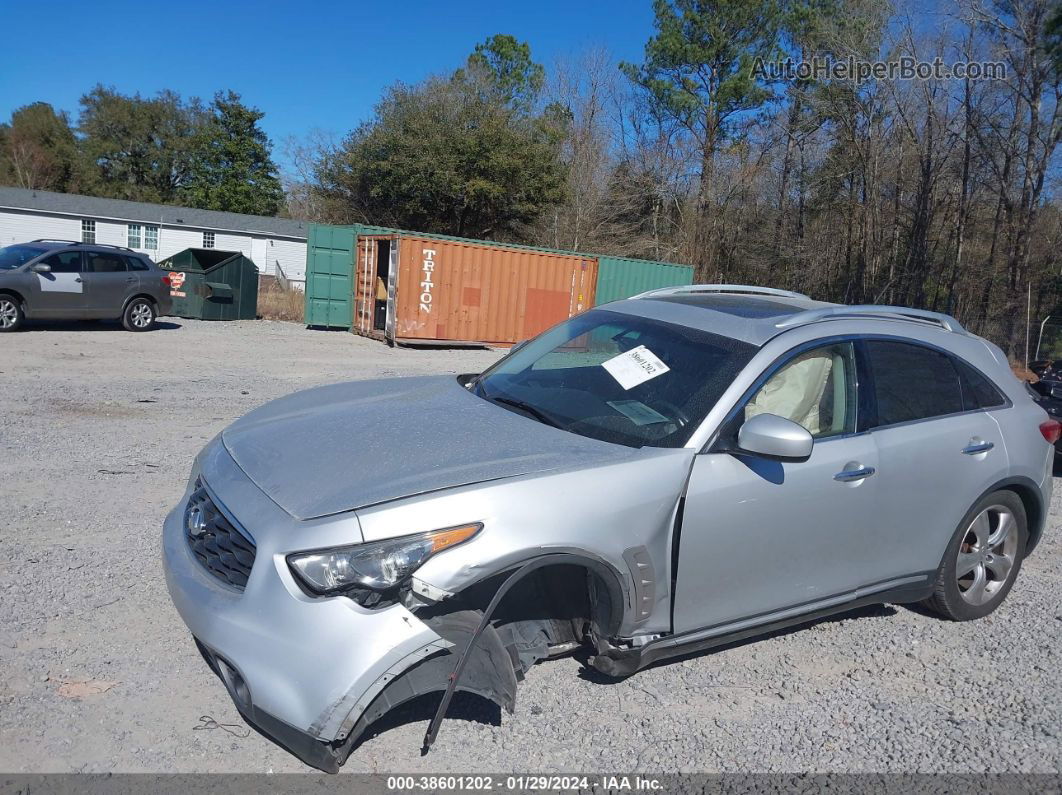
[[8, 313], [141, 315], [987, 554]]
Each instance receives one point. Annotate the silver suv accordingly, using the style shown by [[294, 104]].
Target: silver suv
[[67, 280], [656, 476]]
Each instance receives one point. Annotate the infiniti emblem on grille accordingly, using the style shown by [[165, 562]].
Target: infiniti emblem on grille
[[196, 521]]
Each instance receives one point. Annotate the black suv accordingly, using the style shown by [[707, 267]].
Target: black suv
[[67, 280]]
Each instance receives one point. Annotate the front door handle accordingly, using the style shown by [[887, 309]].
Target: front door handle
[[77, 279], [977, 447], [854, 474]]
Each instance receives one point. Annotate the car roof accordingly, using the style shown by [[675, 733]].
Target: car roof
[[46, 245], [757, 314]]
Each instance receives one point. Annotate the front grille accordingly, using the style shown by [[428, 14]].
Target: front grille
[[222, 549]]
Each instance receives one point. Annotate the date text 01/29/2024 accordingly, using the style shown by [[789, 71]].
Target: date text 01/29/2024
[[520, 783]]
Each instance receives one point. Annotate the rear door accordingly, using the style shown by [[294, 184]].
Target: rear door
[[108, 283], [938, 449], [60, 293]]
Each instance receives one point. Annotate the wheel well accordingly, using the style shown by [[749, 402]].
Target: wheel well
[[148, 296], [1034, 511], [14, 294], [549, 611]]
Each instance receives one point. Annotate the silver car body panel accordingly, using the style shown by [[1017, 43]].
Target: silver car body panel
[[395, 438], [303, 658], [759, 540]]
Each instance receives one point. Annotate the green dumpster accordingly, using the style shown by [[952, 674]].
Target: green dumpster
[[208, 284]]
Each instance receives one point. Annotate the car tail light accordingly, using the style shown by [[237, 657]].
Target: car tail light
[[165, 280], [1051, 430]]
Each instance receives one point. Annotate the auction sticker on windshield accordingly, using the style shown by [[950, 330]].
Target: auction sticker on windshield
[[635, 366]]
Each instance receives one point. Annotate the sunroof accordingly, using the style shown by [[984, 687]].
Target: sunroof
[[738, 305]]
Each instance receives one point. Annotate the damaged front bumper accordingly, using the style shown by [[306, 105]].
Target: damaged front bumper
[[300, 669]]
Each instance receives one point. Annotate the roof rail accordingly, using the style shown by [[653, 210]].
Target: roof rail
[[80, 243], [106, 245], [946, 322], [741, 289]]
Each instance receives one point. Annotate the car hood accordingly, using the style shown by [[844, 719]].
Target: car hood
[[346, 446]]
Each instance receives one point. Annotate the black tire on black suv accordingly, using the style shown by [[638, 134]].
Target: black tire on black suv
[[995, 554], [139, 315], [11, 314]]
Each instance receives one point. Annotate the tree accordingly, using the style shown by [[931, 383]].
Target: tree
[[451, 155], [510, 74], [699, 69], [231, 167], [38, 149], [136, 148]]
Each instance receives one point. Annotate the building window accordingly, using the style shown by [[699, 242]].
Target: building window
[[208, 240], [151, 237], [134, 236], [88, 231]]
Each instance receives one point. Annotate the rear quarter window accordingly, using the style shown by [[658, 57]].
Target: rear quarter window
[[912, 383], [977, 391], [136, 264]]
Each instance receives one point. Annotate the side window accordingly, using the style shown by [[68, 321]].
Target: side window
[[912, 382], [816, 389], [135, 263], [104, 262], [977, 391], [64, 262]]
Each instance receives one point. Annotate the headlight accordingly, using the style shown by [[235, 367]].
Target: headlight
[[378, 566]]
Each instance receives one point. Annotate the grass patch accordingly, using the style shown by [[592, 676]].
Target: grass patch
[[276, 303]]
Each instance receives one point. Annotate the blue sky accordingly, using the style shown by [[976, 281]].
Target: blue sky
[[306, 64]]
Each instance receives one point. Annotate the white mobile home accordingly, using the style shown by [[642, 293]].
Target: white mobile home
[[276, 245]]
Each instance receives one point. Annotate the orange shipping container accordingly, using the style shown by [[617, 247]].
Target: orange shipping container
[[420, 289]]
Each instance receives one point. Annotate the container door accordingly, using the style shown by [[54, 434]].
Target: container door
[[374, 282], [329, 276], [392, 290]]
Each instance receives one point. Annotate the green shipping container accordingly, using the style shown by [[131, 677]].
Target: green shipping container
[[208, 284], [330, 253], [330, 273], [619, 277]]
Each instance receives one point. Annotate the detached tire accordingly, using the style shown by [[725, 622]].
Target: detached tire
[[139, 315], [11, 314], [983, 558]]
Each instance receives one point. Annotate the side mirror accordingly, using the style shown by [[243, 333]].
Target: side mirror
[[40, 267], [1056, 392], [775, 437]]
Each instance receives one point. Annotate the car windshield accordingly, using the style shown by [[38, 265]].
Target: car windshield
[[618, 378], [13, 256]]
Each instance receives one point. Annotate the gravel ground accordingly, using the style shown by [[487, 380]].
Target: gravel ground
[[97, 672]]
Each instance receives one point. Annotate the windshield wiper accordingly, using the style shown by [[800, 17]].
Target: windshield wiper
[[521, 406]]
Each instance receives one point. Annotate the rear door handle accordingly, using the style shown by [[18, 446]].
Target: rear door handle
[[854, 474], [77, 279], [977, 447]]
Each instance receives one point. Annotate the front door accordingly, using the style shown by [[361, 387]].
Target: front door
[[59, 293], [108, 282], [761, 538]]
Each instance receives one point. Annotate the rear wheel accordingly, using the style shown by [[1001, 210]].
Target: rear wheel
[[139, 315], [983, 558], [11, 315]]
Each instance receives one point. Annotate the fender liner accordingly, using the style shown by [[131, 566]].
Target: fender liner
[[617, 584], [455, 677], [490, 673]]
